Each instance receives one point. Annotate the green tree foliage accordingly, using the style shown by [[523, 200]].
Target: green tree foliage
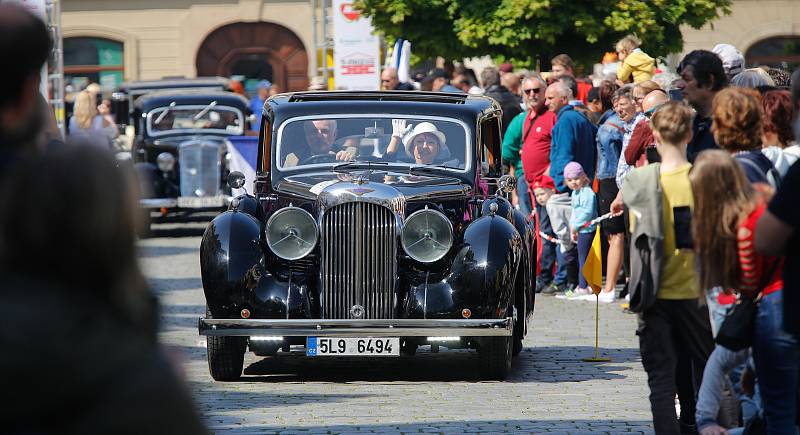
[[524, 30]]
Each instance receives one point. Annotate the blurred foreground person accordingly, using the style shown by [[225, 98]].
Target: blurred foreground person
[[76, 320], [24, 39]]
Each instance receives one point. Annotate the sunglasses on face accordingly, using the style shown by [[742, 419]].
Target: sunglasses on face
[[532, 91]]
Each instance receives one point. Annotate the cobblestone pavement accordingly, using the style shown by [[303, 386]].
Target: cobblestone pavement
[[550, 390]]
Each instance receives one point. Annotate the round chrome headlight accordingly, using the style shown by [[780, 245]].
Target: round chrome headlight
[[427, 236], [165, 161], [291, 233]]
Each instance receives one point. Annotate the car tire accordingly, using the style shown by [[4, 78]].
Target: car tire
[[225, 356], [495, 355]]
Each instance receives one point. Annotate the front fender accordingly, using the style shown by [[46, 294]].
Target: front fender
[[229, 261], [481, 276]]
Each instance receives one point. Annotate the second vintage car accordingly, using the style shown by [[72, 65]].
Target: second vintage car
[[377, 224], [179, 151]]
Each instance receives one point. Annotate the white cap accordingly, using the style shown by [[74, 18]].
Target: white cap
[[732, 59]]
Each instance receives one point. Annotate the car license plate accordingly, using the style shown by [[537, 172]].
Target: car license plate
[[337, 346], [200, 202]]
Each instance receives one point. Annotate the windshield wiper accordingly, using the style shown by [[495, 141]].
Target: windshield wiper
[[164, 113], [357, 165], [204, 111], [426, 169]]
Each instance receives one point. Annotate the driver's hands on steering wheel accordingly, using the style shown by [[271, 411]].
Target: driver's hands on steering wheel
[[399, 128], [347, 155]]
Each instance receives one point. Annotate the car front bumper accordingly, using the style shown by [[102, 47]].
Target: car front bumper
[[357, 328], [186, 202]]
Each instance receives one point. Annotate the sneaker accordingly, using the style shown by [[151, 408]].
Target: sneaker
[[607, 297], [540, 286], [581, 294], [553, 288], [573, 294]]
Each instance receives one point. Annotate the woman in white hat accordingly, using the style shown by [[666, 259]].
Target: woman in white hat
[[425, 143]]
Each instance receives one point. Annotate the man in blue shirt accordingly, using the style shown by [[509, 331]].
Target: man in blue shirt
[[573, 136], [257, 103]]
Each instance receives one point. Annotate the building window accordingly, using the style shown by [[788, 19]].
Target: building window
[[779, 52], [93, 60]]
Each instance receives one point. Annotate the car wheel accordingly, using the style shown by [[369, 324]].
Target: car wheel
[[225, 356], [495, 354]]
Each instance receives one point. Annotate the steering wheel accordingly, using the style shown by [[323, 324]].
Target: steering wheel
[[318, 158]]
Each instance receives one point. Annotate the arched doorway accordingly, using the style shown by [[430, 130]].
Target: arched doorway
[[776, 52], [256, 51]]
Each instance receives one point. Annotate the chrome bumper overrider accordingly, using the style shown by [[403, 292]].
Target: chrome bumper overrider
[[357, 328]]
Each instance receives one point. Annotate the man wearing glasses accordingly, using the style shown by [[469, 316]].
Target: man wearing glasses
[[526, 144]]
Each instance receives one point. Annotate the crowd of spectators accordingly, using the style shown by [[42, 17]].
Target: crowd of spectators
[[691, 176]]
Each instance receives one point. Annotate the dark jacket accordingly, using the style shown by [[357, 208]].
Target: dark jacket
[[643, 195], [702, 138], [76, 366], [404, 87], [509, 102]]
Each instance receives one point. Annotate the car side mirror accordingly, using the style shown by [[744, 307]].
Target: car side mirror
[[236, 180], [506, 184]]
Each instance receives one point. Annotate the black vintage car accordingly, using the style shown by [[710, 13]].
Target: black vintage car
[[378, 223], [179, 150]]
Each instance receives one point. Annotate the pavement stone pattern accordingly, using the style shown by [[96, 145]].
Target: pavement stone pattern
[[550, 390]]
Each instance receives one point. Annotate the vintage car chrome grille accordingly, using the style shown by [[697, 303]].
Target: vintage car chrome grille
[[359, 264], [200, 168]]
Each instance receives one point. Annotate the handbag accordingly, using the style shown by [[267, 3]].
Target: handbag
[[736, 332]]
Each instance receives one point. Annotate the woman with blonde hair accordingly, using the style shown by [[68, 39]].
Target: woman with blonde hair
[[636, 64], [91, 123], [641, 90]]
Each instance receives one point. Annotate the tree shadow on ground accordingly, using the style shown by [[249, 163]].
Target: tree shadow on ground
[[572, 427], [166, 285], [145, 251], [550, 364]]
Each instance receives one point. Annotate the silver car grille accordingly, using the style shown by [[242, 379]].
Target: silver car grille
[[200, 168], [359, 264]]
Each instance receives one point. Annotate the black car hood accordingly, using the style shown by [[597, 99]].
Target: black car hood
[[311, 184]]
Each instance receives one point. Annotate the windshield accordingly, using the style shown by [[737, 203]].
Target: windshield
[[401, 140], [210, 118]]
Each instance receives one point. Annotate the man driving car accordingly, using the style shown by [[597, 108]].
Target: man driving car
[[320, 137]]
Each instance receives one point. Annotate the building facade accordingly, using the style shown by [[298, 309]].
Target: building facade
[[111, 41], [767, 32]]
